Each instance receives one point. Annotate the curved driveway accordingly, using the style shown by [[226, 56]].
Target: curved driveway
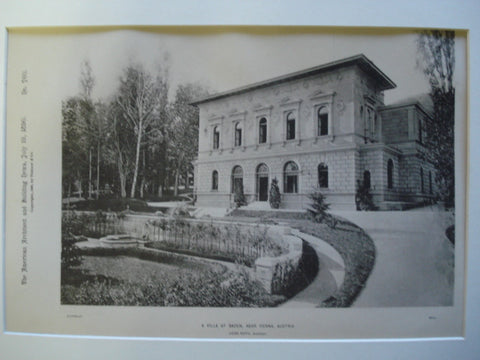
[[414, 260]]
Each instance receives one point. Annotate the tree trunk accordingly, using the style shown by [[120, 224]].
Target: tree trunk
[[123, 191], [90, 173], [187, 185], [98, 170], [142, 185], [137, 159], [121, 176], [177, 174]]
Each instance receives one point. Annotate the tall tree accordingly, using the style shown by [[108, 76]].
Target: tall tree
[[183, 134], [73, 152], [87, 79], [436, 49], [121, 145], [139, 98]]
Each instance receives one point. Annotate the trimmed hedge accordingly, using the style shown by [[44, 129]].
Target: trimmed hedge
[[120, 204]]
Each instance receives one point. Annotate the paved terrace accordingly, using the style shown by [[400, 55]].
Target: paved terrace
[[414, 260]]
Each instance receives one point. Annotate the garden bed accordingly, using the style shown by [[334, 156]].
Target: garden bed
[[351, 242], [129, 279]]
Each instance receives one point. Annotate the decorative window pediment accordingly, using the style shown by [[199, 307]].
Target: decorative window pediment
[[323, 113]]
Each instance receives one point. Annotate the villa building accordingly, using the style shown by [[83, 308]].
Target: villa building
[[325, 127]]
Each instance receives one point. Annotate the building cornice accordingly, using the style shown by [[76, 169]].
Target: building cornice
[[385, 83]]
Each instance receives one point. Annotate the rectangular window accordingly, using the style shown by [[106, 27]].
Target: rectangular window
[[290, 129], [322, 121], [238, 137], [262, 135], [323, 124]]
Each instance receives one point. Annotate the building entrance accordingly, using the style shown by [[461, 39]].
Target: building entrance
[[263, 188], [262, 182]]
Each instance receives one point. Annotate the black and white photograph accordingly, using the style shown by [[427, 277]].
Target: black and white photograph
[[253, 179]]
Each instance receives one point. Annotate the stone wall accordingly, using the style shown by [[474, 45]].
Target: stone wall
[[278, 274]]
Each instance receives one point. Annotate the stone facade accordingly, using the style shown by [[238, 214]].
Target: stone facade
[[322, 127]]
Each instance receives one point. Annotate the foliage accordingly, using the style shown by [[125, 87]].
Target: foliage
[[436, 50], [318, 208], [116, 205], [229, 242], [141, 99], [71, 254], [239, 196], [357, 250], [274, 196], [135, 142], [363, 197], [183, 131], [90, 225], [203, 288]]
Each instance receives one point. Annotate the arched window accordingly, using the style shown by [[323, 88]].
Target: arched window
[[290, 126], [323, 176], [262, 169], [237, 178], [290, 177], [430, 189], [390, 174], [238, 134], [366, 179], [322, 116], [422, 184], [215, 180], [262, 131], [216, 137]]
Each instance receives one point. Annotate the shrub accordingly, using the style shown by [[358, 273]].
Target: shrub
[[363, 197], [239, 196], [71, 255], [114, 204], [275, 197], [318, 209]]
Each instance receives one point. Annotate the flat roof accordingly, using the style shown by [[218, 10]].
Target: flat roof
[[360, 60]]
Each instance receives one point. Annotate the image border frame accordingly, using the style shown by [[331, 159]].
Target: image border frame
[[55, 13]]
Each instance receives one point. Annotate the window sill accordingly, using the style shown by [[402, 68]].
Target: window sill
[[323, 137]]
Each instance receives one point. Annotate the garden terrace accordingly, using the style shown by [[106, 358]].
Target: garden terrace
[[276, 256], [351, 242], [223, 240]]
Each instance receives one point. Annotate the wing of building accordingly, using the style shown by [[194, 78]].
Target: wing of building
[[325, 127]]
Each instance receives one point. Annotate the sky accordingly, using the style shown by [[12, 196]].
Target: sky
[[219, 59]]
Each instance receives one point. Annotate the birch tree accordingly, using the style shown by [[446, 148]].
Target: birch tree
[[139, 98]]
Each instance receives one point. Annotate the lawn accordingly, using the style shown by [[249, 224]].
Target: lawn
[[128, 280], [357, 251]]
